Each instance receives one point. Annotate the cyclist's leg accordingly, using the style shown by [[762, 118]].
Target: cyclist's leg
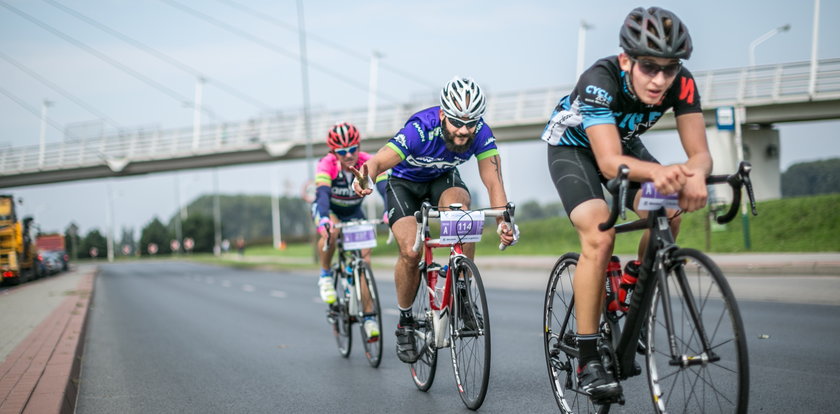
[[404, 198], [575, 175], [325, 280]]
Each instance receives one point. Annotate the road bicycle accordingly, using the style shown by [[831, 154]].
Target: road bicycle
[[450, 308], [681, 315], [355, 301]]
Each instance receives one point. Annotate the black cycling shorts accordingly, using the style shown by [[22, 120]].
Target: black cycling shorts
[[405, 197], [577, 178]]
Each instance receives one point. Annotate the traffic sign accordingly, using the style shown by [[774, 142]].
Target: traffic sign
[[93, 252], [189, 243], [152, 248], [175, 245]]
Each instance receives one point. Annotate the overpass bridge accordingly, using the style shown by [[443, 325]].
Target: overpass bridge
[[769, 94]]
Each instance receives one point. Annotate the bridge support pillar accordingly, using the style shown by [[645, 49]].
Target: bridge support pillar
[[761, 149]]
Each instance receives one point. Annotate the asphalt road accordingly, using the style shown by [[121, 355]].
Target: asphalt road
[[172, 337]]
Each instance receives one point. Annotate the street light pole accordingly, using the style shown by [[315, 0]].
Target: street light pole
[[199, 89], [812, 82], [581, 45], [42, 138], [304, 71], [761, 39], [373, 83]]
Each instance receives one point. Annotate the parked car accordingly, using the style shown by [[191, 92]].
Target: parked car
[[53, 262]]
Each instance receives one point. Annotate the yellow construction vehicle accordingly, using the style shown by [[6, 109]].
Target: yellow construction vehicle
[[18, 254]]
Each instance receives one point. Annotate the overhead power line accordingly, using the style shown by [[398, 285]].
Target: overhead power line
[[360, 56], [137, 75], [61, 91], [160, 55], [271, 46], [31, 109]]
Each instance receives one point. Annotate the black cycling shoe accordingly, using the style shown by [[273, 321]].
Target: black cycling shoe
[[406, 346], [594, 380]]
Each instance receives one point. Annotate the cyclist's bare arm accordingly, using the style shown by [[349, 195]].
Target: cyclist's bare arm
[[606, 145], [490, 170], [692, 130], [383, 160]]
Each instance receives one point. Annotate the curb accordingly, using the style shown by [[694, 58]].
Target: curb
[[41, 375]]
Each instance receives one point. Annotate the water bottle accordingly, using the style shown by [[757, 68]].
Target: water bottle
[[628, 282], [613, 281]]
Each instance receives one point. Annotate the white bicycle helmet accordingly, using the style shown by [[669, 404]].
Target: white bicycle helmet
[[462, 98]]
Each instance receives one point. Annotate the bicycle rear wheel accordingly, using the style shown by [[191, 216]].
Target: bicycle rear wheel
[[696, 379], [341, 325], [560, 339], [469, 331], [373, 346], [423, 370]]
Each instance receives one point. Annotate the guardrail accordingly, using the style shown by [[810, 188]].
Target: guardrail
[[759, 85]]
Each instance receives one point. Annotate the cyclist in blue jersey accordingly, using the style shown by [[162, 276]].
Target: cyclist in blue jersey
[[597, 128], [423, 157]]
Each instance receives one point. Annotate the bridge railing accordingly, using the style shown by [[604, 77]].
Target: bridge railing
[[766, 84]]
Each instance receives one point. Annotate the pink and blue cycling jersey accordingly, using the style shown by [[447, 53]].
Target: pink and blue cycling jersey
[[424, 154], [334, 189]]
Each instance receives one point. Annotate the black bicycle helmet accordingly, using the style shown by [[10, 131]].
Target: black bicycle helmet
[[655, 32]]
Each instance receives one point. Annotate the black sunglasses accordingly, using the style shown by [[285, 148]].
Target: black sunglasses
[[652, 69], [457, 123]]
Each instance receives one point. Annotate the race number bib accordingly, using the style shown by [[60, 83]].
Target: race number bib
[[361, 236], [461, 226], [652, 199]]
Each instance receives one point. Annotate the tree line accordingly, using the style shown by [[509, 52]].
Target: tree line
[[248, 217]]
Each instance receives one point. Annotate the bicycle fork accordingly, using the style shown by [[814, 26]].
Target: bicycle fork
[[678, 359]]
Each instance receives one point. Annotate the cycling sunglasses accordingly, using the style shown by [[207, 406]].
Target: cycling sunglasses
[[345, 151], [457, 123], [651, 68]]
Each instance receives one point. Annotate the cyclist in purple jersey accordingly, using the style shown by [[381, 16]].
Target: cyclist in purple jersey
[[423, 157], [595, 129]]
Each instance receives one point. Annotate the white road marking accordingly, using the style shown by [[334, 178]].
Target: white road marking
[[248, 288], [278, 294], [391, 311], [226, 283]]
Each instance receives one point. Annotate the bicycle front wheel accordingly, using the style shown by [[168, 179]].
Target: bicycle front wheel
[[423, 370], [373, 345], [560, 339], [470, 334], [341, 323], [707, 371]]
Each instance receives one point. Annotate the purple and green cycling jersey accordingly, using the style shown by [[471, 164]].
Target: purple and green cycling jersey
[[424, 154]]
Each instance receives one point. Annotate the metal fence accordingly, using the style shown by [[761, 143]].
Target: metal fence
[[759, 85]]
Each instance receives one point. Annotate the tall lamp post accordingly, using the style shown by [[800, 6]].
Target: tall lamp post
[[584, 26], [42, 137], [761, 39]]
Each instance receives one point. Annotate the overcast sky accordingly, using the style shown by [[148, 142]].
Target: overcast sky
[[506, 46]]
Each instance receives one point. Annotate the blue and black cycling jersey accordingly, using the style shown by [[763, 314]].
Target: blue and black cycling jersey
[[603, 96]]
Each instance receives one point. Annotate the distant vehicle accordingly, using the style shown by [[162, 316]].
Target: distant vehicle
[[53, 243], [53, 262], [18, 254]]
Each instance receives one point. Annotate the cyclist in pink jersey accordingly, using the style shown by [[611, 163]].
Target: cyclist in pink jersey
[[335, 200]]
